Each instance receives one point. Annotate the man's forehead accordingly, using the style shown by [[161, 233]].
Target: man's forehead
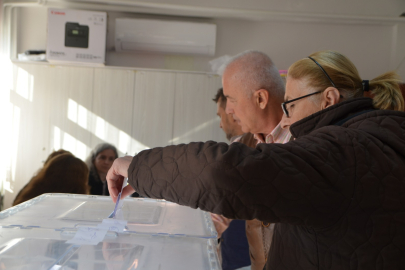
[[229, 90], [231, 74], [226, 90]]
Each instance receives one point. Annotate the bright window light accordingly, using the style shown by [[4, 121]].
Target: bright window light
[[82, 119], [25, 84], [136, 147], [124, 142], [100, 128], [72, 110], [194, 130], [81, 150], [69, 143], [15, 136], [56, 138]]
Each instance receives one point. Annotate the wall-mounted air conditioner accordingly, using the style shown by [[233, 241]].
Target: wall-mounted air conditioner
[[158, 36]]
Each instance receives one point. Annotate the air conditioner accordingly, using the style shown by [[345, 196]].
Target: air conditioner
[[160, 36]]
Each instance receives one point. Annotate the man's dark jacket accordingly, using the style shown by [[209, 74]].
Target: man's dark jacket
[[337, 192]]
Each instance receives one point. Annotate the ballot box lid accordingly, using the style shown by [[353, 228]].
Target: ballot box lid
[[143, 215], [47, 249]]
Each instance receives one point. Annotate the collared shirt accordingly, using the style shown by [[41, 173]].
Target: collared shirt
[[236, 138], [278, 135]]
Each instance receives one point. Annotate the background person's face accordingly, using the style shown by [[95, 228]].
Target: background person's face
[[227, 123], [104, 160], [301, 108]]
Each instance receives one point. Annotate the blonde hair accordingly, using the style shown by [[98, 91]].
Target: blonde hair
[[384, 88]]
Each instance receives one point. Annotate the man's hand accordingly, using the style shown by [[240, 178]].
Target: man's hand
[[221, 223], [115, 178]]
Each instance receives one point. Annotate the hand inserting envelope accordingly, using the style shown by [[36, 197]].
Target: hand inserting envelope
[[115, 222], [118, 204]]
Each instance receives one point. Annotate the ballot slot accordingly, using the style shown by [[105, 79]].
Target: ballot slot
[[144, 213]]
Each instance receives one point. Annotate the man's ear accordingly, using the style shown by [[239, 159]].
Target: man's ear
[[331, 96], [262, 98]]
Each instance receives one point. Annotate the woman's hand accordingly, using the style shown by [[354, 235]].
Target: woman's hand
[[115, 178]]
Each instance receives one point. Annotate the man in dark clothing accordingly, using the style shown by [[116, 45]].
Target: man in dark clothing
[[234, 245], [336, 193]]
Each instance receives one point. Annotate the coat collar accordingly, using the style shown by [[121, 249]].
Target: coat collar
[[330, 116]]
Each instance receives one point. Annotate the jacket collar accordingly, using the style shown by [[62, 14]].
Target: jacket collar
[[330, 116]]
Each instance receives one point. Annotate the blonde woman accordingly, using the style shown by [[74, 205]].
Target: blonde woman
[[336, 192]]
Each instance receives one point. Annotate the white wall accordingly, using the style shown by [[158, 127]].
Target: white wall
[[75, 108]]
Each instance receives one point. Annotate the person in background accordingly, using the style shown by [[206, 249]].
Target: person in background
[[51, 155], [231, 128], [64, 173], [335, 192], [56, 153], [99, 162], [232, 233]]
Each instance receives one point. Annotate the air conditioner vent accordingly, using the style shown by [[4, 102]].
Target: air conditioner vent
[[159, 36]]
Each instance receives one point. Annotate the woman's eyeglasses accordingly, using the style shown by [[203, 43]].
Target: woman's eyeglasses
[[283, 105]]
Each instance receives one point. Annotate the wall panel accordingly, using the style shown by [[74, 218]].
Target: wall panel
[[112, 107], [195, 116], [71, 96], [153, 109], [28, 112]]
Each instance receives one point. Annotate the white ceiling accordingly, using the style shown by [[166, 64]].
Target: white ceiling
[[351, 8]]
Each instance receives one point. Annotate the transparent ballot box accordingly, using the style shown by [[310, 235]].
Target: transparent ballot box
[[47, 249], [144, 216]]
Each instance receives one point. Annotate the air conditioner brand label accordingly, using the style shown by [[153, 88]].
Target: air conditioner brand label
[[57, 12]]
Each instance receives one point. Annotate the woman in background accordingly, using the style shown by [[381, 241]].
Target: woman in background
[[63, 173], [99, 162], [51, 155], [54, 154]]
